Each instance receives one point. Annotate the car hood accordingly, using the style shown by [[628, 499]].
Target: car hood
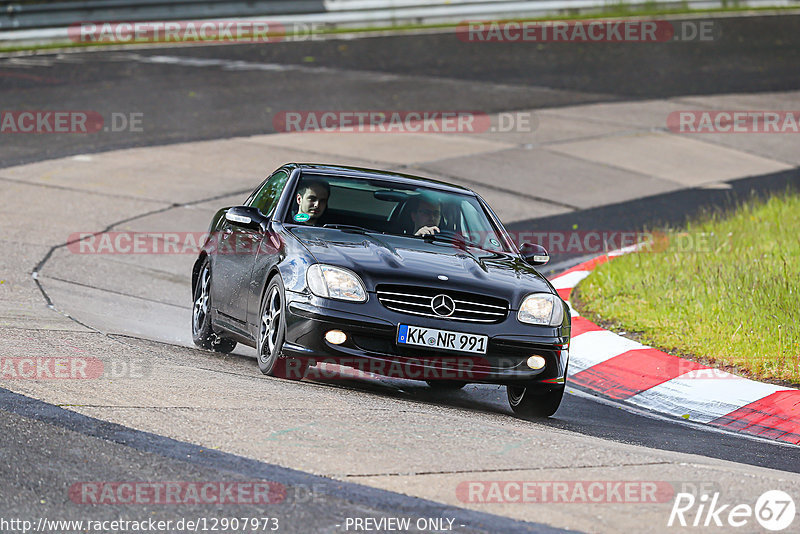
[[379, 258]]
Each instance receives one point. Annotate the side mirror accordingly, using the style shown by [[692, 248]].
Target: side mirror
[[246, 217], [534, 254]]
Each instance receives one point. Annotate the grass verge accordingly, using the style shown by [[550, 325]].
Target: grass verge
[[725, 291]]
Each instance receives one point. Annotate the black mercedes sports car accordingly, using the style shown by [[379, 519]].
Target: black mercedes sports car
[[385, 273]]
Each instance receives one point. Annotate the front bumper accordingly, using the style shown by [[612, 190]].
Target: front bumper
[[371, 344]]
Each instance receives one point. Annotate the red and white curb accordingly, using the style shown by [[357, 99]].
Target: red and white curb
[[627, 371]]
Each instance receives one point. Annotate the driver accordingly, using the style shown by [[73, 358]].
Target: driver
[[426, 214], [312, 199]]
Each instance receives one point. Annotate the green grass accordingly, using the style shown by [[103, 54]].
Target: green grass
[[616, 10], [724, 291]]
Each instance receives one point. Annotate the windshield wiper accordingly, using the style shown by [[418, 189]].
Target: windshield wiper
[[450, 237]]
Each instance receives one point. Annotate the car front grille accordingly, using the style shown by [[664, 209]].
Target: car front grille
[[418, 301]]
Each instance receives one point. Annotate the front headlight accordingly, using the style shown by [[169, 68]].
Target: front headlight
[[541, 308], [332, 282]]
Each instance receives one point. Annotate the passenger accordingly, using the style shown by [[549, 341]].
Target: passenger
[[312, 200]]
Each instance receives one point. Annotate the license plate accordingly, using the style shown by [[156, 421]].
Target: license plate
[[441, 339]]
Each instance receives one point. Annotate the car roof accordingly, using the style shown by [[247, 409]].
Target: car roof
[[359, 172]]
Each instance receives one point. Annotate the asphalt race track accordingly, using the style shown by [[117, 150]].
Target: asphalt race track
[[753, 55], [343, 448]]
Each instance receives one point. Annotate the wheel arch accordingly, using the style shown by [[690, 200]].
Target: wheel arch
[[196, 269], [273, 272]]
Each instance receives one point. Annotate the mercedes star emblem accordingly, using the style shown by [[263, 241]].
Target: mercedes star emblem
[[443, 305]]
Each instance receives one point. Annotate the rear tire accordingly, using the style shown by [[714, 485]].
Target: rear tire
[[525, 401], [203, 333]]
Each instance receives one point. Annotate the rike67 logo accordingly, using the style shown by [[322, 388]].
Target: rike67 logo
[[774, 510]]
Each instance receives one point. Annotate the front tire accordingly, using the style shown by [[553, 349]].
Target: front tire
[[272, 333], [203, 333], [525, 401]]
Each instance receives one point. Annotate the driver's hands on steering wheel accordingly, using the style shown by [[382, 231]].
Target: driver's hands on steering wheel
[[428, 230]]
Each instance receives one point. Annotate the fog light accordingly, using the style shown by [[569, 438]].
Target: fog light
[[336, 337], [536, 362]]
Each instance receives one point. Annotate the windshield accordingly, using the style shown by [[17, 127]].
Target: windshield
[[364, 205]]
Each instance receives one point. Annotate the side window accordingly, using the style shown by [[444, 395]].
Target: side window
[[478, 228], [267, 198]]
